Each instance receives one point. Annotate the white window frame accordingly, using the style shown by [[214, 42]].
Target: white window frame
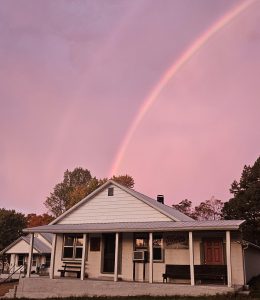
[[74, 246]]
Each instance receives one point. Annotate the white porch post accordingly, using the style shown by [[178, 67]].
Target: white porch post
[[116, 257], [192, 280], [228, 251], [150, 257], [53, 250], [29, 265], [82, 275]]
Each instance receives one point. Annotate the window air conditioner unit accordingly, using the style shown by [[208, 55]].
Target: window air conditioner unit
[[140, 255]]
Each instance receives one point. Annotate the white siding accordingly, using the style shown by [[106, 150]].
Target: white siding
[[20, 248], [237, 268], [252, 263], [121, 207]]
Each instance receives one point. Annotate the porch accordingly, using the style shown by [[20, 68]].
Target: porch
[[191, 257], [64, 287]]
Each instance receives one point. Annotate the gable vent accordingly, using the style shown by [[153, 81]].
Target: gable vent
[[110, 191], [160, 199]]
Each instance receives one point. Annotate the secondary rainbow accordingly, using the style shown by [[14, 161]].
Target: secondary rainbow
[[174, 68]]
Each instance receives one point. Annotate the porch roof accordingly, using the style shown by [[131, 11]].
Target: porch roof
[[139, 226]]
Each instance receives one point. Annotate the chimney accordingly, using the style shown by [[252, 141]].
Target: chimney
[[160, 199]]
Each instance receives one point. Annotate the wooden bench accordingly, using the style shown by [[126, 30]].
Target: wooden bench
[[211, 272], [201, 272], [176, 272], [70, 267]]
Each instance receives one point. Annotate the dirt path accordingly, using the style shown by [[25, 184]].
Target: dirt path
[[5, 287]]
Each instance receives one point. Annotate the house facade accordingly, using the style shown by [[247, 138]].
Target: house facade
[[18, 253], [119, 234]]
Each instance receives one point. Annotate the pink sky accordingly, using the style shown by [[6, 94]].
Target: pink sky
[[74, 74]]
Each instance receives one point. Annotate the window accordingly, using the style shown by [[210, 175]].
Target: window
[[47, 261], [157, 247], [73, 246], [141, 241], [110, 191], [34, 261], [20, 260], [95, 244]]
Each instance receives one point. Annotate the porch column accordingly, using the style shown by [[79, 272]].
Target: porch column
[[228, 251], [192, 280], [83, 262], [116, 257], [29, 265], [53, 250], [150, 257]]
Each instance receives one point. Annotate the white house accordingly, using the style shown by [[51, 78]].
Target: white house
[[18, 252], [120, 234]]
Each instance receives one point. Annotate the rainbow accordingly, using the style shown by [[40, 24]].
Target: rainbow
[[167, 76]]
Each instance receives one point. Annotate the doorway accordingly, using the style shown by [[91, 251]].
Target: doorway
[[213, 250], [108, 253]]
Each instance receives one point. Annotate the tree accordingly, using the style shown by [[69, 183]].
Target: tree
[[11, 226], [34, 220], [245, 204], [76, 185], [125, 180], [209, 210], [60, 199], [185, 206]]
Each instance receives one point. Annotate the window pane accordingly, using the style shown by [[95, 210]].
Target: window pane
[[78, 253], [20, 260], [68, 252], [157, 254], [95, 244], [157, 242], [79, 241], [141, 241], [69, 240], [48, 261]]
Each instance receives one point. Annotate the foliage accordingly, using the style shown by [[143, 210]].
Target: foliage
[[11, 226], [34, 220], [185, 206], [76, 185], [245, 204], [125, 180], [208, 210]]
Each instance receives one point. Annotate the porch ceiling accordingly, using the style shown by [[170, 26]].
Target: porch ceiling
[[139, 226]]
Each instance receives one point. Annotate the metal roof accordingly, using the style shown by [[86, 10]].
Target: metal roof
[[47, 236], [139, 226], [169, 211], [38, 245]]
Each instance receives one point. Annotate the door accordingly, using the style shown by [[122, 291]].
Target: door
[[108, 253], [213, 250]]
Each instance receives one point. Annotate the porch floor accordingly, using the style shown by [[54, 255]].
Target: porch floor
[[64, 287]]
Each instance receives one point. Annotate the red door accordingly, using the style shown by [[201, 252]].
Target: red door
[[213, 252]]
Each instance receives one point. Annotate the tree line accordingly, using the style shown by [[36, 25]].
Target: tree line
[[79, 183]]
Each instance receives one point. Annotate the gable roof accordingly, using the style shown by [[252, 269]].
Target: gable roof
[[38, 245], [168, 211]]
